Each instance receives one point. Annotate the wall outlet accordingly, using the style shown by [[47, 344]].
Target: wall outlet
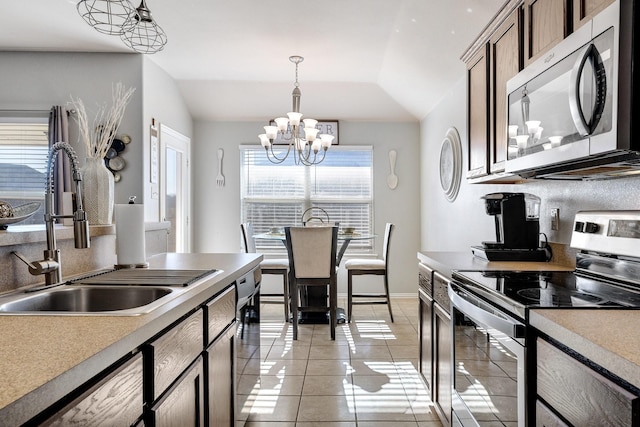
[[555, 219]]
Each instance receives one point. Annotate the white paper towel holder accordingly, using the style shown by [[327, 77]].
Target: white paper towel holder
[[124, 266]]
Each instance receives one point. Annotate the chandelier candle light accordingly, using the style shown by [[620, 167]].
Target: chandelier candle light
[[305, 146]]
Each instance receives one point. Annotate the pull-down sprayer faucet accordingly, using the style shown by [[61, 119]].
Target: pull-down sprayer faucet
[[50, 266]]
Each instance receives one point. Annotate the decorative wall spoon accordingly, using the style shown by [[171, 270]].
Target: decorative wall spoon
[[392, 179]]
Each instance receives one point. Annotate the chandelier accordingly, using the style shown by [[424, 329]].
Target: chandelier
[[301, 135], [136, 27]]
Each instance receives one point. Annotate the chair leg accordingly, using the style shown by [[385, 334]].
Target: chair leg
[[243, 320], [349, 295], [293, 288], [285, 287], [386, 290], [333, 308]]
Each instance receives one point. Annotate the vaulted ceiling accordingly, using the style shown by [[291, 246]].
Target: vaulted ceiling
[[375, 60]]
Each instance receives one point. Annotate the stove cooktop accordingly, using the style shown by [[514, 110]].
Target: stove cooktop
[[521, 290]]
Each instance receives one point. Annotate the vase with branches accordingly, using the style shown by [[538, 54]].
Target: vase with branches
[[97, 137]]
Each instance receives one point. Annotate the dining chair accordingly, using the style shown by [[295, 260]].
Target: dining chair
[[276, 267], [312, 263], [378, 267]]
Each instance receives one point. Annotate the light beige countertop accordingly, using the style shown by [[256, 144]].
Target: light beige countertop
[[607, 337], [43, 358], [447, 262]]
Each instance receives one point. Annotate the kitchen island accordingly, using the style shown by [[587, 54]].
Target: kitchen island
[[43, 358]]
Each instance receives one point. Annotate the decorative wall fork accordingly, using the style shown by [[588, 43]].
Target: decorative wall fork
[[220, 177]]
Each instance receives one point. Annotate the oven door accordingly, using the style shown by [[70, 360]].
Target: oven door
[[489, 362]]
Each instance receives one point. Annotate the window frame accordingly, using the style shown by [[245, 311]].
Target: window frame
[[363, 247]]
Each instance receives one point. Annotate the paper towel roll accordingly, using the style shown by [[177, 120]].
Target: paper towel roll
[[130, 235]]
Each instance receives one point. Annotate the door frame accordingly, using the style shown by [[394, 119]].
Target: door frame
[[169, 138]]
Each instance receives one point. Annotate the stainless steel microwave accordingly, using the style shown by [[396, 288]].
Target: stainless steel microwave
[[570, 113]]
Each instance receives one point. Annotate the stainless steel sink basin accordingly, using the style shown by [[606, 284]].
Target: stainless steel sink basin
[[73, 299]]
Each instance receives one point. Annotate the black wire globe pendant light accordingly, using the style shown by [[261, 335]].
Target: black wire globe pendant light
[[107, 16], [144, 36]]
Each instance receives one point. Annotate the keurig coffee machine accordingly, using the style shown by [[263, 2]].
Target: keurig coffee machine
[[517, 221]]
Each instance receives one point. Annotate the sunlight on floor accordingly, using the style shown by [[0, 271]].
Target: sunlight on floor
[[359, 377]]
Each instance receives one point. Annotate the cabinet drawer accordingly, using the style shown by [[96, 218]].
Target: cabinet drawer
[[441, 291], [183, 404], [425, 279], [580, 394], [221, 312], [170, 354], [115, 400]]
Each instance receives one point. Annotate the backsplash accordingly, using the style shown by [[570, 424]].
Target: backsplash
[[14, 273]]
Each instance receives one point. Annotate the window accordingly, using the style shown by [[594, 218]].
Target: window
[[23, 162], [277, 195]]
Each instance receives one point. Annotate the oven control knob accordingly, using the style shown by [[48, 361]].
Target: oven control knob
[[591, 227], [579, 227]]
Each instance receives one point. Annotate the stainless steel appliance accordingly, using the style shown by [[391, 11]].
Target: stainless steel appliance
[[570, 113], [517, 217], [490, 311]]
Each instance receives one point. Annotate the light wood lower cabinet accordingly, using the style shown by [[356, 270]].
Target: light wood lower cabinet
[[183, 404], [116, 400], [579, 394], [220, 381], [171, 353], [443, 370]]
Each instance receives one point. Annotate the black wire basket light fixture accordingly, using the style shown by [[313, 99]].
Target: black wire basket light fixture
[[145, 35], [107, 16], [135, 26]]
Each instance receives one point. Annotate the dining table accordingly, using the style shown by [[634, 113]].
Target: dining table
[[316, 295]]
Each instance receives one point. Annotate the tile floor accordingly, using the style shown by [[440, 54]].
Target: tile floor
[[367, 377]]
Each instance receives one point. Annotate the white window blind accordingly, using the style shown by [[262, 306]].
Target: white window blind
[[277, 195], [23, 158]]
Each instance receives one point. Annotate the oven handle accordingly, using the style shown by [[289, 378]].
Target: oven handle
[[484, 313]]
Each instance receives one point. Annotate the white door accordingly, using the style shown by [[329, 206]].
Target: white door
[[175, 183]]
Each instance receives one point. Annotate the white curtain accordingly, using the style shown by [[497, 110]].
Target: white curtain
[[59, 132]]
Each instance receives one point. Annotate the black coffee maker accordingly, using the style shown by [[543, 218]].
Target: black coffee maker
[[517, 222]]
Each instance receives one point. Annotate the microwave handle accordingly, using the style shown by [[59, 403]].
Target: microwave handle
[[590, 54]]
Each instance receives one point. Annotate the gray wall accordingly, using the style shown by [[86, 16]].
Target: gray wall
[[217, 210], [163, 103], [39, 80], [458, 225]]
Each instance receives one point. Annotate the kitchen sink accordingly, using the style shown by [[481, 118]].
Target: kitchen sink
[[74, 299]]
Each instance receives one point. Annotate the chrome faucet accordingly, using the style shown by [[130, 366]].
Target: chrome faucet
[[50, 266]]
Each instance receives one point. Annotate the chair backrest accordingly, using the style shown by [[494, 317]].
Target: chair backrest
[[387, 239], [312, 251], [247, 238]]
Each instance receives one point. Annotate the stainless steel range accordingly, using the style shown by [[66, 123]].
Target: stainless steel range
[[490, 311]]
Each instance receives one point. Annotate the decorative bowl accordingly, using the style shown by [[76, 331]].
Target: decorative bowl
[[349, 230], [20, 213]]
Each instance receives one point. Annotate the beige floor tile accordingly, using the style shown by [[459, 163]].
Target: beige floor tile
[[326, 408], [272, 408], [281, 385], [404, 352], [289, 351], [328, 351], [374, 367], [387, 424], [269, 424], [326, 424], [327, 385], [283, 367], [328, 367], [371, 352]]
